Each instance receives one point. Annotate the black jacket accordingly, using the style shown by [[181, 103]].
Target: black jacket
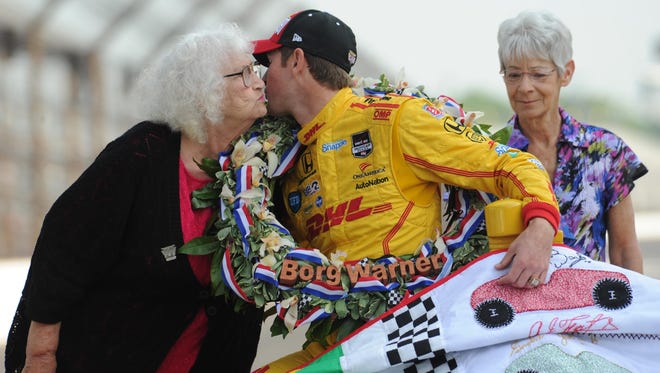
[[98, 268]]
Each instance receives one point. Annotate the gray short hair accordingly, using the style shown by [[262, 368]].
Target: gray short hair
[[534, 35], [185, 87]]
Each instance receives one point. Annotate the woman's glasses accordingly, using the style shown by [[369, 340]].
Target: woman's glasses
[[536, 76], [248, 73]]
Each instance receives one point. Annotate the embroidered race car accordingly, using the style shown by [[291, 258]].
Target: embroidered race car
[[496, 305]]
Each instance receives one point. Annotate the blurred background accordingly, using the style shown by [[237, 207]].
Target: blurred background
[[67, 67]]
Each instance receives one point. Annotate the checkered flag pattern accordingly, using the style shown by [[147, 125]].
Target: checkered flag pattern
[[394, 297], [303, 302], [440, 362], [413, 331]]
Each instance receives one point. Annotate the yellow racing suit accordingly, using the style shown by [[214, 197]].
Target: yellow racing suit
[[367, 181]]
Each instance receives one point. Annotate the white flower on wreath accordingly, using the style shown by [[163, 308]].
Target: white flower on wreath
[[291, 316], [269, 260], [338, 257], [244, 153], [273, 242], [227, 194], [273, 160], [263, 213], [250, 195]]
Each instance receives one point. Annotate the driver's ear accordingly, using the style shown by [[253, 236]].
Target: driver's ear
[[298, 58]]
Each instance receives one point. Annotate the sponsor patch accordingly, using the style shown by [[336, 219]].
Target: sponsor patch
[[502, 149], [382, 114], [312, 188], [345, 211], [434, 111], [333, 145], [362, 145], [453, 127], [306, 163], [312, 132], [367, 173], [295, 200], [475, 137], [537, 163], [352, 57], [371, 182]]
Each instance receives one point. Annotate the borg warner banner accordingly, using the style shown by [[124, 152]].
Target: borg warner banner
[[588, 317]]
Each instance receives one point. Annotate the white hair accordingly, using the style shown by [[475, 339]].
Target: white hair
[[534, 35], [184, 88]]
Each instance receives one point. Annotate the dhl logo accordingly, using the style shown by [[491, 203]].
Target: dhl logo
[[344, 212], [312, 131]]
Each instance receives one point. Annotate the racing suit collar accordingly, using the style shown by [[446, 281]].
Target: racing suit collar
[[326, 117]]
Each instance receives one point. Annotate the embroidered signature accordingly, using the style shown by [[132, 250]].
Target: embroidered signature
[[577, 324]]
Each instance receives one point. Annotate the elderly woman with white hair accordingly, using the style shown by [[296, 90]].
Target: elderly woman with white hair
[[592, 169], [106, 290]]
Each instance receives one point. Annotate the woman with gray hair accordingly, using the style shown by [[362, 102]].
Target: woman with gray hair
[[107, 290], [592, 169]]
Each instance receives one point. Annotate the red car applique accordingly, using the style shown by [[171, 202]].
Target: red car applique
[[496, 305]]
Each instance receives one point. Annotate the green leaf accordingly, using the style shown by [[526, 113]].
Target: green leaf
[[278, 328], [223, 233], [207, 193], [216, 273], [202, 245], [482, 128], [340, 308], [502, 136], [209, 165], [319, 330], [363, 301], [200, 204], [259, 300]]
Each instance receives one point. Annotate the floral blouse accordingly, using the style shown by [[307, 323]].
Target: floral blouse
[[595, 171]]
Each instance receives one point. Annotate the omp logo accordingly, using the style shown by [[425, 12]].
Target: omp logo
[[382, 114], [344, 212], [312, 131]]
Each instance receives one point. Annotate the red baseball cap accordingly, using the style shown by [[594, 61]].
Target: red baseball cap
[[318, 33]]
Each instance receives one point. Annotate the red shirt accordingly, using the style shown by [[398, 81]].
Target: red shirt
[[183, 354]]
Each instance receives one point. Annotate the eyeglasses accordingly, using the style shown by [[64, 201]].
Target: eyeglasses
[[536, 76], [248, 73]]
